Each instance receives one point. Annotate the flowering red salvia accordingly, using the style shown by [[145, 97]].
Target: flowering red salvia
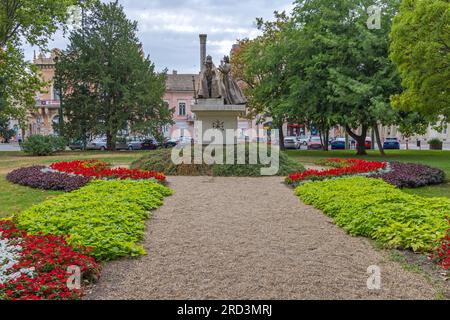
[[344, 167], [100, 170], [441, 255]]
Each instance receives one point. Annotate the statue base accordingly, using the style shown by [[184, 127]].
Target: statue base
[[215, 114]]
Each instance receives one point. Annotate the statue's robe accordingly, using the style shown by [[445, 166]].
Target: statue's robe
[[230, 89], [216, 86]]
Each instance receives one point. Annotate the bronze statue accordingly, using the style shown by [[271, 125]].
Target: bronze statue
[[218, 83], [209, 81], [231, 91]]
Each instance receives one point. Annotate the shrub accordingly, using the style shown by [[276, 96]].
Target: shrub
[[38, 145], [376, 209], [160, 160], [35, 267], [435, 144], [410, 175], [39, 177], [107, 215]]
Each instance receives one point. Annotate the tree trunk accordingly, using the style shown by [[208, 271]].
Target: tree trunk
[[280, 129], [110, 142], [324, 135], [377, 135], [360, 140]]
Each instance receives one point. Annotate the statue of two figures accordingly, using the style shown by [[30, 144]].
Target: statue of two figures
[[218, 83]]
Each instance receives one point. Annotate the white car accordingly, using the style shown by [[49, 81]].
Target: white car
[[291, 142]]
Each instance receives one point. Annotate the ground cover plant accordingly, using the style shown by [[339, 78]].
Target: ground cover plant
[[34, 267], [341, 168], [411, 175], [41, 178], [160, 160], [107, 215], [378, 210]]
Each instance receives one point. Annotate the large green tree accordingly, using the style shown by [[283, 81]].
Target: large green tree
[[261, 65], [107, 83], [345, 74], [420, 48], [32, 22]]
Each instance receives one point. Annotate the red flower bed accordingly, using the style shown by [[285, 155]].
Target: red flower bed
[[441, 254], [99, 169], [343, 167], [49, 258]]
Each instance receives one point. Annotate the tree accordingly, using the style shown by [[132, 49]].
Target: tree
[[260, 64], [20, 82], [107, 84], [420, 48], [349, 63], [32, 20]]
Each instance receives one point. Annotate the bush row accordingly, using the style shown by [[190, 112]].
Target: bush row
[[38, 145], [160, 160], [39, 177], [107, 215], [378, 210]]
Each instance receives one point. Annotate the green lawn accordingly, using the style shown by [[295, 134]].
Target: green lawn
[[15, 198], [437, 159]]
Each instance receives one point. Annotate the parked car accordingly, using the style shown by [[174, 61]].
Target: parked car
[[391, 143], [315, 143], [185, 140], [303, 140], [149, 144], [291, 142], [169, 143], [135, 144], [338, 144], [368, 143], [75, 145], [101, 144]]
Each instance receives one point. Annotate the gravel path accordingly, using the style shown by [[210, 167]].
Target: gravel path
[[250, 238]]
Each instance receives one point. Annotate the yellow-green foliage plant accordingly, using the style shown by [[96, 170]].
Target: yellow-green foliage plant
[[107, 215], [378, 210]]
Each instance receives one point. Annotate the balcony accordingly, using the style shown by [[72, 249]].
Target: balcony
[[47, 103]]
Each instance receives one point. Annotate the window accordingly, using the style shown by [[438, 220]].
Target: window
[[55, 94], [182, 108]]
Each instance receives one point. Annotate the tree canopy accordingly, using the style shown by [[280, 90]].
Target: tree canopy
[[107, 83], [420, 48]]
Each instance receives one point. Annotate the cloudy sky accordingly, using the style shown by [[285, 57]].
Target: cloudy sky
[[169, 29]]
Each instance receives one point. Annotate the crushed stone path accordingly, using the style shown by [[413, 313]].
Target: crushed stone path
[[250, 238]]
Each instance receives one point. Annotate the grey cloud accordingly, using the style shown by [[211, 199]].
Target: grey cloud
[[169, 29]]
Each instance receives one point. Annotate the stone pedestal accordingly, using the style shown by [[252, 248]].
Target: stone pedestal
[[215, 114]]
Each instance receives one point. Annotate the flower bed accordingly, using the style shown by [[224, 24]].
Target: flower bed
[[107, 215], [101, 170], [441, 254], [39, 177], [410, 175], [342, 167], [35, 267], [376, 209]]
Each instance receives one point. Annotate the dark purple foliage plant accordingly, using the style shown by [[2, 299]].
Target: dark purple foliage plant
[[38, 177], [411, 175]]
